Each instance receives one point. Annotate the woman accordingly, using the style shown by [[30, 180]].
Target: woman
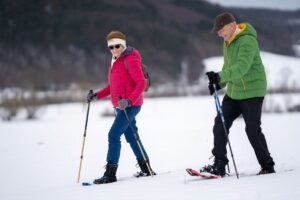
[[126, 84]]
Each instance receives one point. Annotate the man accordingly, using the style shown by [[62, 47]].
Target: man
[[244, 75], [126, 84]]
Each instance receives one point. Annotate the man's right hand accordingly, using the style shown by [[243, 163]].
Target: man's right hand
[[91, 96], [211, 88], [213, 77]]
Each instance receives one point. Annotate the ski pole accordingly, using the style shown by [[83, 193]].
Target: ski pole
[[83, 142], [137, 139], [219, 110]]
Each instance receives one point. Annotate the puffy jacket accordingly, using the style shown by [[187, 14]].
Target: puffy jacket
[[243, 71], [125, 79]]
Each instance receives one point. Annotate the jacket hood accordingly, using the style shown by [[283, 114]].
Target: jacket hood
[[246, 29]]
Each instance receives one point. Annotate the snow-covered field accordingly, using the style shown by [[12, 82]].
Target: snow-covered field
[[40, 159]]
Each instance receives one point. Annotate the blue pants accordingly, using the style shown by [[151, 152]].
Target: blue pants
[[120, 126]]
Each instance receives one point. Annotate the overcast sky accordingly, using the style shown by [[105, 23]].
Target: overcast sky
[[272, 4]]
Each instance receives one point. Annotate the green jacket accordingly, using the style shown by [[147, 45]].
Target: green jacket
[[243, 71]]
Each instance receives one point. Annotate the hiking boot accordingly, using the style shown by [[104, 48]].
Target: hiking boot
[[266, 171], [218, 168], [144, 169], [267, 167], [109, 175]]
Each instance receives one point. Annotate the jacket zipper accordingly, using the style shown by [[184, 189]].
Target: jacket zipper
[[243, 84], [126, 70]]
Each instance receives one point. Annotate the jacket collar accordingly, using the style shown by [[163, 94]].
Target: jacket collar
[[127, 51], [239, 28]]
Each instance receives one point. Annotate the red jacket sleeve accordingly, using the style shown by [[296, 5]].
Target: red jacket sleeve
[[104, 92]]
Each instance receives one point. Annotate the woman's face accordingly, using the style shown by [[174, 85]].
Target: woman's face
[[116, 50]]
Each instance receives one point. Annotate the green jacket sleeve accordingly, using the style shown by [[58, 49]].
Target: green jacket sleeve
[[245, 55]]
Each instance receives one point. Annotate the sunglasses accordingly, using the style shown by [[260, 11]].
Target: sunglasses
[[114, 46]]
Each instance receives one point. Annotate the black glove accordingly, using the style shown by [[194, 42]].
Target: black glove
[[213, 77], [91, 96], [211, 88], [124, 103]]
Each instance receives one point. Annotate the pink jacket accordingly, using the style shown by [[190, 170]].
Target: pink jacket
[[125, 81]]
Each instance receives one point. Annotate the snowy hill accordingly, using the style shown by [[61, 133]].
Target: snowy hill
[[39, 159], [283, 72]]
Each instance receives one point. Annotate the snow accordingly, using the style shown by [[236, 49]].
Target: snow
[[40, 159], [282, 72]]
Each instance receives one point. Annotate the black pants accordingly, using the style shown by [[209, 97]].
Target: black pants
[[251, 112]]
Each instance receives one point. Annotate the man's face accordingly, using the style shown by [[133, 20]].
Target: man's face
[[227, 31]]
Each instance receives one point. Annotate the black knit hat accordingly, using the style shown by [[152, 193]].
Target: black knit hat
[[222, 20]]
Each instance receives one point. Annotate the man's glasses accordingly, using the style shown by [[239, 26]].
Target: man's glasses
[[114, 46]]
